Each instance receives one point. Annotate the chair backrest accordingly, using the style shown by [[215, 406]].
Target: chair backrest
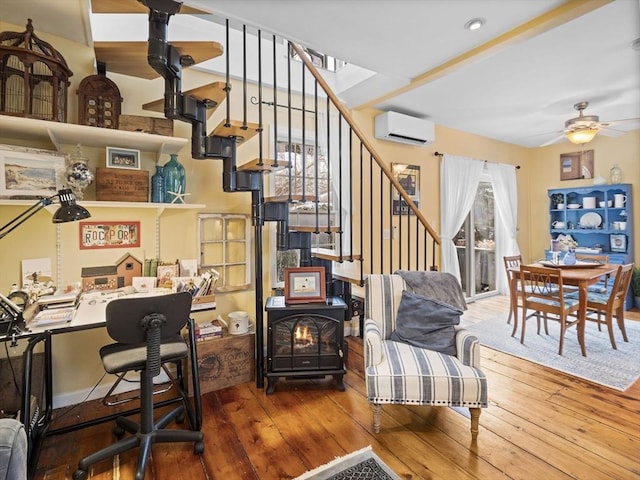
[[513, 261], [621, 283], [124, 316], [541, 282], [383, 294]]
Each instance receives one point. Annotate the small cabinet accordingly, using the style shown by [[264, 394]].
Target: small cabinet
[[599, 218]]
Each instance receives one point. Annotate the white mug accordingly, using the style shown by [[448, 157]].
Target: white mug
[[619, 200], [238, 323]]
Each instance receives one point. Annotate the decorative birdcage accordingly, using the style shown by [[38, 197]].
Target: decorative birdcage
[[34, 77]]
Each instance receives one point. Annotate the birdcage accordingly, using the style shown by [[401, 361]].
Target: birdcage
[[34, 77]]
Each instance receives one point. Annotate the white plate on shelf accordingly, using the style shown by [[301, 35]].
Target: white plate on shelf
[[590, 220]]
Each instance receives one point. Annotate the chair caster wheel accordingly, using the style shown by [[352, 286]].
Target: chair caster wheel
[[198, 448], [80, 475]]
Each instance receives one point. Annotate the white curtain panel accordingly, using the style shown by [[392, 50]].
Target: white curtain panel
[[505, 192], [459, 179]]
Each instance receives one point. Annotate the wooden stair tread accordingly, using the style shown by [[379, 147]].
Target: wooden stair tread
[[267, 165], [313, 229], [353, 281], [130, 58], [131, 6], [212, 91], [333, 255], [236, 130], [289, 199]]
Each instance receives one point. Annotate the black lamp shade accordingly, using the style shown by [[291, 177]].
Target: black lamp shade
[[69, 210]]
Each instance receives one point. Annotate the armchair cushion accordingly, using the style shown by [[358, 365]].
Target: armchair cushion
[[426, 323]]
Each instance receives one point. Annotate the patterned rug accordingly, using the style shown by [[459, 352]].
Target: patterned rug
[[617, 369], [360, 465]]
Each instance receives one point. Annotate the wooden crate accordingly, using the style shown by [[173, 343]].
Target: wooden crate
[[223, 362], [137, 123], [122, 185]]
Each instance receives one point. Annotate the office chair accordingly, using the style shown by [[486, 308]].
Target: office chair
[[147, 332]]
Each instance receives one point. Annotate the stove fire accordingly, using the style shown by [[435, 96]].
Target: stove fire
[[303, 337]]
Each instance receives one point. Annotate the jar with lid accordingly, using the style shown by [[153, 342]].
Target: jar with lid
[[77, 174], [615, 174]]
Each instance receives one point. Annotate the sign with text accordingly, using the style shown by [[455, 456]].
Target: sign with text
[[109, 235]]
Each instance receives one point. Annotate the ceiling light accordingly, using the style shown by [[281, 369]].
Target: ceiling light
[[581, 135], [475, 23]]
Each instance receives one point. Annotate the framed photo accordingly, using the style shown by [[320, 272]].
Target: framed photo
[[408, 177], [166, 273], [26, 172], [576, 165], [109, 235], [618, 243], [123, 158], [304, 285]]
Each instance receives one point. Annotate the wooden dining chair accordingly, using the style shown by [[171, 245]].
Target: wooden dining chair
[[546, 296], [511, 264], [602, 307]]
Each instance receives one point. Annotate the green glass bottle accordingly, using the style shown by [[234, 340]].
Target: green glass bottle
[[174, 180]]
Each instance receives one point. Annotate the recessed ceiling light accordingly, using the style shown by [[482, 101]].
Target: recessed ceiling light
[[475, 23]]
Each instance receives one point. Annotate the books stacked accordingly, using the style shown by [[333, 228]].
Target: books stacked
[[53, 316], [207, 331], [203, 285], [58, 300]]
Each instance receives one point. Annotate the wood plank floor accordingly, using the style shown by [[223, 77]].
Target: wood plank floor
[[541, 424]]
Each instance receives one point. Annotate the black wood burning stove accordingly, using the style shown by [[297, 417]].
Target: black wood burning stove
[[305, 340]]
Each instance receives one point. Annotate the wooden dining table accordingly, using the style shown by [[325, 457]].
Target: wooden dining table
[[580, 275]]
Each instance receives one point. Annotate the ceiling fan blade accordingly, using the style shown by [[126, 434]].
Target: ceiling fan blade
[[611, 132], [554, 140], [632, 121]]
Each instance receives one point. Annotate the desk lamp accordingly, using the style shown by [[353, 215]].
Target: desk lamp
[[69, 211]]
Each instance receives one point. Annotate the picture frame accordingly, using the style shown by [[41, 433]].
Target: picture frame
[[29, 172], [409, 177], [123, 158], [618, 243], [576, 165], [144, 284], [304, 285], [95, 235], [166, 273]]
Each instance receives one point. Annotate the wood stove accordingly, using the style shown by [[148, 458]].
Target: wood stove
[[305, 340]]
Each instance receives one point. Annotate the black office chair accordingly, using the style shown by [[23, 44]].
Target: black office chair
[[147, 332]]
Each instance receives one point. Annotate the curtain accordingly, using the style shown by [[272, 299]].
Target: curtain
[[459, 179], [505, 193]]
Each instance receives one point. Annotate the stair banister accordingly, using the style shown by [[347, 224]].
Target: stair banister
[[347, 116]]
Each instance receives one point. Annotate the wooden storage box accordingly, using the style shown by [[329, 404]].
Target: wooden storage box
[[137, 123], [223, 362], [122, 185]]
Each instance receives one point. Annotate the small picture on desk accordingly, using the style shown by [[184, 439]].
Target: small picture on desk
[[143, 284], [166, 273], [618, 243], [304, 284]]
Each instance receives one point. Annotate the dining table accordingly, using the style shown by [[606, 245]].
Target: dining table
[[581, 275]]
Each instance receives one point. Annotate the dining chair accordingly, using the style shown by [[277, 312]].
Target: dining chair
[[546, 296], [511, 264], [609, 305]]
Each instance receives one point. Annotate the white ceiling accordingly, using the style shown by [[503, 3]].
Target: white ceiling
[[521, 90]]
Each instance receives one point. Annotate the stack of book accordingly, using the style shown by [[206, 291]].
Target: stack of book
[[207, 331]]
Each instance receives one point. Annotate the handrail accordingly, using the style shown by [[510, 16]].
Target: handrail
[[347, 117]]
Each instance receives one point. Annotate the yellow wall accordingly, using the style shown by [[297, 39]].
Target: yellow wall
[[539, 171]]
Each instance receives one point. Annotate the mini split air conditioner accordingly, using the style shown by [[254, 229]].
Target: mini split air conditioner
[[397, 127]]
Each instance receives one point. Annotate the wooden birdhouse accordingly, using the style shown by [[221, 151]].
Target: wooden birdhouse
[[128, 267], [34, 77], [99, 100]]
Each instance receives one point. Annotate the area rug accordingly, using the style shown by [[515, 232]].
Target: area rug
[[360, 465], [616, 369]]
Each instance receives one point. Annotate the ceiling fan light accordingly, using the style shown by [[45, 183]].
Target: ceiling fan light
[[580, 136]]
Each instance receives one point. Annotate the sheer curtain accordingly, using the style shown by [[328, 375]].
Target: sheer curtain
[[505, 193], [459, 179]]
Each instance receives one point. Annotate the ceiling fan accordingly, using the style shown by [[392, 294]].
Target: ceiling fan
[[583, 128]]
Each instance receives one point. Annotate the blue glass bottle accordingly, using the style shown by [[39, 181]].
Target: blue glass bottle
[[157, 186], [174, 180], [570, 257]]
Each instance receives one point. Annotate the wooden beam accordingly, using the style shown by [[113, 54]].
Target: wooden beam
[[131, 6]]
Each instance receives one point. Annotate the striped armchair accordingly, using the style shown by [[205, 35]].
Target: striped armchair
[[399, 373]]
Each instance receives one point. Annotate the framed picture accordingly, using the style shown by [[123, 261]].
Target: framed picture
[[576, 165], [144, 284], [26, 172], [109, 235], [618, 243], [304, 285], [166, 273], [408, 177], [123, 158]]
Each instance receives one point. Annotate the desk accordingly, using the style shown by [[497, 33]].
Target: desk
[[579, 277], [89, 315]]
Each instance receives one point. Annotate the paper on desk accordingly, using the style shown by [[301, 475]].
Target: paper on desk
[[51, 317]]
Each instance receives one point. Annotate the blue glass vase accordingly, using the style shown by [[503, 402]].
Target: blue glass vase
[[157, 186], [570, 257], [174, 180]]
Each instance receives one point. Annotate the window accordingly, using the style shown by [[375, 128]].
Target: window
[[318, 59], [225, 245]]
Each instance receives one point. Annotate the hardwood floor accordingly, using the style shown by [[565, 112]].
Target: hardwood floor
[[541, 424]]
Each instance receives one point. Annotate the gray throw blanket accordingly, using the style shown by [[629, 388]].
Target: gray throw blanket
[[440, 286]]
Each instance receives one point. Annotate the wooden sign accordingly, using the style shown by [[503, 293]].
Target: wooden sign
[[122, 185], [109, 235]]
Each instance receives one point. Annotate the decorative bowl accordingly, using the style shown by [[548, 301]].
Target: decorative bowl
[[573, 205]]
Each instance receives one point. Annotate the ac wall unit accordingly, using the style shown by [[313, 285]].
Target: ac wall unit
[[397, 127]]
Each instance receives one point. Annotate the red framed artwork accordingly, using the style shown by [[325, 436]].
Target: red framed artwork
[[109, 235], [304, 285]]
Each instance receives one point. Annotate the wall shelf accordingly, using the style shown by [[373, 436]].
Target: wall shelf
[[59, 133], [160, 207]]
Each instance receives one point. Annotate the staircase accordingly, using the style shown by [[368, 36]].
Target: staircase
[[358, 210]]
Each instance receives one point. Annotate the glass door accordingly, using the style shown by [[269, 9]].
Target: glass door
[[475, 244]]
